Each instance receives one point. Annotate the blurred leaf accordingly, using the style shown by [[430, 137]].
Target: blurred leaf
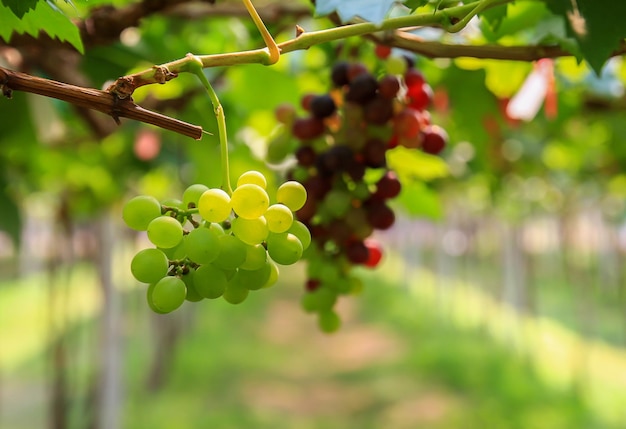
[[420, 201], [20, 7], [411, 164], [494, 16], [42, 18], [597, 25], [10, 219], [414, 4]]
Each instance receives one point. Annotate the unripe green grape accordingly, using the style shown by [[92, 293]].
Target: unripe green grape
[[176, 252], [202, 245], [214, 205], [250, 201], [256, 255], [165, 232], [173, 202], [250, 231], [274, 272], [193, 193], [279, 218], [308, 302], [337, 203], [139, 211], [395, 65], [252, 177], [280, 145], [149, 299], [302, 232], [284, 248], [292, 194], [210, 281], [215, 227], [232, 253], [325, 298], [149, 265], [168, 294], [235, 292], [192, 294], [356, 285], [328, 321], [256, 279]]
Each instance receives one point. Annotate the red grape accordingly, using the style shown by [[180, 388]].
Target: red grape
[[307, 128], [434, 139], [388, 86]]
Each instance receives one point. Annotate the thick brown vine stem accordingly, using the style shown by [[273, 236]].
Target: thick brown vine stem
[[94, 99]]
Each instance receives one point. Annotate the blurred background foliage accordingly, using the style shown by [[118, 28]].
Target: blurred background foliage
[[500, 302]]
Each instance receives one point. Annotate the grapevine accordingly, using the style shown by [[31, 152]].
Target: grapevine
[[340, 152]]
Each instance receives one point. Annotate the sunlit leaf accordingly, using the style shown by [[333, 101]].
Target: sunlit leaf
[[19, 7], [42, 18], [597, 25]]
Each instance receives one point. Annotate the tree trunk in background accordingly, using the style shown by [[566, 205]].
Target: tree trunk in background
[[108, 397], [167, 331]]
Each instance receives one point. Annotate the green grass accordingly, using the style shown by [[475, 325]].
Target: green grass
[[403, 359]]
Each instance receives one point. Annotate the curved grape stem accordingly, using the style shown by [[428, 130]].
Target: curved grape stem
[[194, 65], [272, 47]]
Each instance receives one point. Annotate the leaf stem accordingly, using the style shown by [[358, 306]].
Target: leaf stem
[[273, 51]]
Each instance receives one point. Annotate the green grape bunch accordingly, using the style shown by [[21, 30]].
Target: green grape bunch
[[212, 244]]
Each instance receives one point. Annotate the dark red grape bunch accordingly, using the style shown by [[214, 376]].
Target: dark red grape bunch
[[340, 152]]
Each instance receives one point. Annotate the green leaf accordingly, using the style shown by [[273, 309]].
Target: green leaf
[[19, 7], [414, 4], [42, 18], [411, 164], [597, 25], [420, 201], [494, 16], [10, 220]]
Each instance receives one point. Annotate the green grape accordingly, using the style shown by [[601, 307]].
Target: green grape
[[328, 321], [149, 299], [215, 227], [356, 285], [140, 211], [284, 248], [302, 232], [210, 281], [273, 278], [250, 231], [214, 205], [168, 294], [337, 203], [395, 65], [173, 202], [192, 293], [252, 177], [250, 201], [325, 298], [176, 252], [256, 255], [149, 265], [279, 218], [308, 302], [192, 194], [232, 253], [165, 232], [292, 194], [235, 292], [202, 245], [254, 280]]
